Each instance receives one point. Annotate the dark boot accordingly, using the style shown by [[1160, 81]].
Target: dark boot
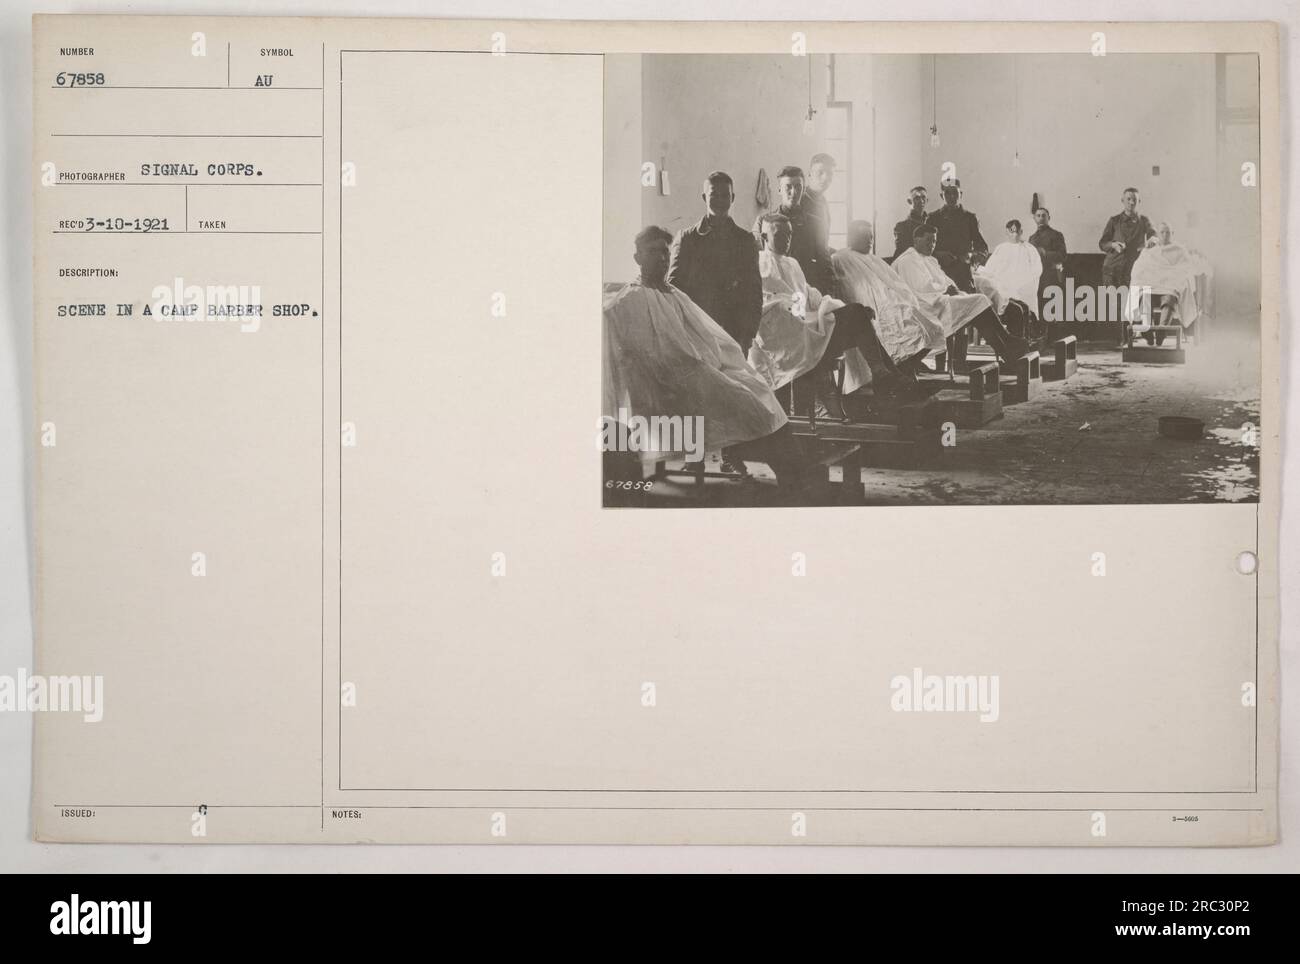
[[783, 454], [916, 364], [829, 405], [1007, 346], [1015, 321]]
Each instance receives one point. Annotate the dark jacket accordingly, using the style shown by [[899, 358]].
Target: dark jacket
[[717, 267], [959, 237], [815, 204], [808, 245], [904, 229], [959, 231], [1133, 231], [1051, 249]]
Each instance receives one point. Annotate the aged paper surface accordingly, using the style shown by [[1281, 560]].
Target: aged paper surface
[[336, 548]]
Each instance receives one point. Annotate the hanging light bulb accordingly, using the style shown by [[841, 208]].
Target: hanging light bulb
[[934, 101], [1015, 88]]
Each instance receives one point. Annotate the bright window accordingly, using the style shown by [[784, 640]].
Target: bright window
[[838, 146]]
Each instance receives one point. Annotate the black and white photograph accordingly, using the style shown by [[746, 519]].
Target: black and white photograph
[[931, 279]]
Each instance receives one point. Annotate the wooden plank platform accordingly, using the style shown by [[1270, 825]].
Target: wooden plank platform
[[907, 414], [1155, 354], [978, 404], [693, 470], [1065, 362], [881, 446], [1025, 380], [1151, 355]]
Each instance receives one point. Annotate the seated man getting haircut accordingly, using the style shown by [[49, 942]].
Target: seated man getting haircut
[[1014, 267], [1010, 279], [904, 229], [946, 305], [803, 331], [665, 357], [905, 333], [808, 233], [1168, 272]]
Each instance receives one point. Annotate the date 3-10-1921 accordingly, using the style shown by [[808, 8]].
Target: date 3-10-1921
[[141, 225]]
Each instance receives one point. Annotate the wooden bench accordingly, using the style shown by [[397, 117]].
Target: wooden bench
[[695, 471], [1025, 382], [906, 445], [1066, 362], [848, 457], [979, 404], [1155, 354]]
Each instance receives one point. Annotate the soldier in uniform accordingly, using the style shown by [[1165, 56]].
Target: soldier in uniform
[[715, 262], [959, 236], [808, 230], [905, 228]]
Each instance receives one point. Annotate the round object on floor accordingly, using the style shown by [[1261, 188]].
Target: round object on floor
[[1181, 427]]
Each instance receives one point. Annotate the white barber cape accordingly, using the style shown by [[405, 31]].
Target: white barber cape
[[1168, 269], [903, 330], [928, 282], [1012, 271], [664, 356], [796, 325]]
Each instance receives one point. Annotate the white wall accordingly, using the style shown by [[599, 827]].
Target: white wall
[[623, 158], [894, 122], [1237, 249], [732, 113], [1086, 127]]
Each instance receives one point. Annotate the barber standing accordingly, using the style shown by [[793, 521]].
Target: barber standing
[[1123, 239], [959, 236], [715, 262]]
